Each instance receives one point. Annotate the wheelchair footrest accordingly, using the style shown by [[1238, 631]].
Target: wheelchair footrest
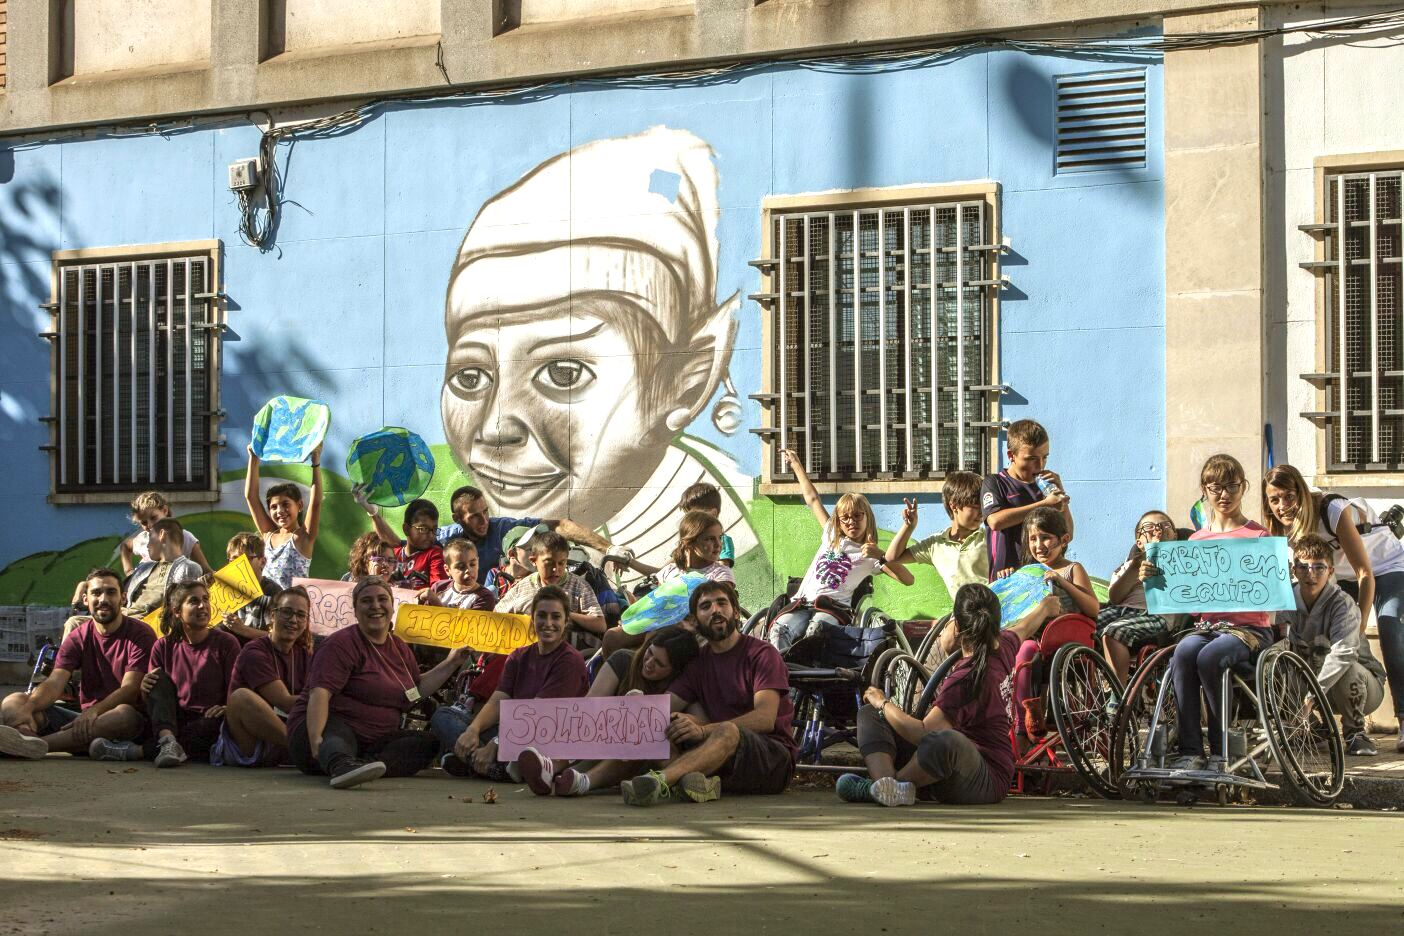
[[1205, 778]]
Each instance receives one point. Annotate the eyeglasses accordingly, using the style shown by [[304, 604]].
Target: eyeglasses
[[1146, 529], [1312, 568], [1217, 489], [421, 528], [290, 614]]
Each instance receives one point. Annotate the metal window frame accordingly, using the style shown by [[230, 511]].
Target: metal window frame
[[827, 208], [70, 480]]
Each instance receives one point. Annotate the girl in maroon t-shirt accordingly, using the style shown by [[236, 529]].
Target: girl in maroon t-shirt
[[188, 682], [960, 749]]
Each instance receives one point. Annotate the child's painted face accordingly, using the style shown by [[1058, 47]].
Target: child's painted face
[[472, 514], [966, 516], [149, 517], [462, 567], [550, 621], [1283, 503], [550, 566], [853, 524], [1026, 462], [283, 510], [1045, 547], [1155, 528], [1226, 497], [419, 531], [707, 547]]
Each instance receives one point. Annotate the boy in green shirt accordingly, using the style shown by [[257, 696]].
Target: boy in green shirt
[[959, 553]]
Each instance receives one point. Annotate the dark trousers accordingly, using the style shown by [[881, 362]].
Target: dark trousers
[[404, 753], [952, 759], [1199, 663], [195, 733]]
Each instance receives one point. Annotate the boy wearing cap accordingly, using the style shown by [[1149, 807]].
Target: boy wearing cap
[[549, 554]]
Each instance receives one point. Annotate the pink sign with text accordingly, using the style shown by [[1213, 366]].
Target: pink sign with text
[[597, 728], [331, 604]]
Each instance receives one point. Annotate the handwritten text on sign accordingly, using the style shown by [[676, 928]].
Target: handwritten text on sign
[[484, 631], [231, 587], [1220, 575], [331, 604], [594, 728]]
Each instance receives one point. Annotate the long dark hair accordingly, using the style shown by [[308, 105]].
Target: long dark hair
[[175, 597], [1048, 520], [976, 616], [681, 646]]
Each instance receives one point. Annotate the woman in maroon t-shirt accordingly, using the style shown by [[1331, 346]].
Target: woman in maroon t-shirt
[[188, 682], [362, 681], [268, 676], [960, 750]]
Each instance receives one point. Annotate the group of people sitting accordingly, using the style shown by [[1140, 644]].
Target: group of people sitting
[[248, 690]]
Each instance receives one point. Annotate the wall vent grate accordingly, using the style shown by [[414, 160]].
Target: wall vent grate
[[1100, 121]]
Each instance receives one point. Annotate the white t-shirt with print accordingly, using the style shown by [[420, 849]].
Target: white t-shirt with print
[[835, 573]]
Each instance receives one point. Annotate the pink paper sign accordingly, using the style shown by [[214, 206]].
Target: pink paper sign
[[597, 728], [331, 604]]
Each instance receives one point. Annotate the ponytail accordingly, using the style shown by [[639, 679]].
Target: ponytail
[[976, 616]]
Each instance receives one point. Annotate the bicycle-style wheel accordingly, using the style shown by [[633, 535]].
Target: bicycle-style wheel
[[1084, 697], [1301, 728]]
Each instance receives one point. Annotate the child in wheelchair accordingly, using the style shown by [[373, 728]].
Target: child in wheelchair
[[1124, 625]]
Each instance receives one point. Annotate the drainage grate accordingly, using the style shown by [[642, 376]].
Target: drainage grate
[[1101, 120]]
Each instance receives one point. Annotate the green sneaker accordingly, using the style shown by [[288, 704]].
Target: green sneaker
[[699, 788], [854, 788], [646, 790]]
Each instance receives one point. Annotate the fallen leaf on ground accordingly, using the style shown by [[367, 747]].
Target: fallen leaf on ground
[[490, 796]]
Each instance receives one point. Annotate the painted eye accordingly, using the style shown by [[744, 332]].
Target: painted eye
[[566, 374], [470, 381]]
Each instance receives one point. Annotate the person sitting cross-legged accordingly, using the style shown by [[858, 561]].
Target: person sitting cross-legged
[[110, 653], [960, 750], [741, 742]]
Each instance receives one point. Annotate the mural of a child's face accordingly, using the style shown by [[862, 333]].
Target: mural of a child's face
[[553, 410]]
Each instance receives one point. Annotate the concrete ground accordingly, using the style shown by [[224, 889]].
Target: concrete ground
[[122, 848]]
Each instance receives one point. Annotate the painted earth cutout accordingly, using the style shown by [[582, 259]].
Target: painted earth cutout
[[289, 429], [665, 605], [393, 464], [1020, 592]]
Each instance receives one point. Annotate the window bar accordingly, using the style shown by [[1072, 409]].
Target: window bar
[[170, 369], [882, 338], [1370, 232], [907, 320], [189, 356], [116, 374], [934, 318], [97, 383], [151, 356], [1341, 310], [808, 362], [833, 344], [781, 288], [82, 378], [857, 345], [63, 376], [132, 358], [960, 333]]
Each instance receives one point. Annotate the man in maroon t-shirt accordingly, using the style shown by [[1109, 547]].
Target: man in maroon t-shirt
[[111, 652], [742, 740]]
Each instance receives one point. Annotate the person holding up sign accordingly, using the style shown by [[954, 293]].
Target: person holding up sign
[[1222, 639], [363, 679]]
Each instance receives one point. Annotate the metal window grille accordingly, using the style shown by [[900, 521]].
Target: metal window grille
[[881, 323], [1363, 264], [134, 379], [1101, 120]]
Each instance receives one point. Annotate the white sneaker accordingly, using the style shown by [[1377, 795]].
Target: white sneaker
[[16, 744], [537, 770], [889, 791]]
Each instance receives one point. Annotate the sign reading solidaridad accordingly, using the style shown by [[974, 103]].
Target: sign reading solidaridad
[[1223, 575], [630, 728]]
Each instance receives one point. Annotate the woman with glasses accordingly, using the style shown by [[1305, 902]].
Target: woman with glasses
[[1368, 560], [1124, 625], [269, 674]]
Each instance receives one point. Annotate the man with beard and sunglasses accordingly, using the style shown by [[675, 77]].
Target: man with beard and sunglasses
[[741, 740], [111, 653]]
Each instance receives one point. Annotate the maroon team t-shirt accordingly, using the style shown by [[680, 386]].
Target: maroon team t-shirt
[[367, 682], [530, 674], [981, 713], [103, 659], [727, 683], [201, 673], [260, 663]]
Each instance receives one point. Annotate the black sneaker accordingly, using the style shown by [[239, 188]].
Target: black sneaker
[[354, 773], [455, 766], [1360, 745]]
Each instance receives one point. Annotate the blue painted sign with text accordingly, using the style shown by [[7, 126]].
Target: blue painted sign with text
[[1198, 576]]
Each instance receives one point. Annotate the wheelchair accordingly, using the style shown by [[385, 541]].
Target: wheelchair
[[1272, 711], [1082, 693]]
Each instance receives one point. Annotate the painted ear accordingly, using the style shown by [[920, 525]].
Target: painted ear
[[707, 358]]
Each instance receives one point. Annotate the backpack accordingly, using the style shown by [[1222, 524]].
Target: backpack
[[1393, 519]]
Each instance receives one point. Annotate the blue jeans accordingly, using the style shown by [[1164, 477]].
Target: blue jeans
[[447, 723], [1200, 662], [1389, 608], [790, 627]]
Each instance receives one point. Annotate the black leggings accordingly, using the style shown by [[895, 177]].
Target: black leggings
[[404, 753], [195, 733]]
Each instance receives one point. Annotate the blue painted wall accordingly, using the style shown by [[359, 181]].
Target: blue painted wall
[[350, 305]]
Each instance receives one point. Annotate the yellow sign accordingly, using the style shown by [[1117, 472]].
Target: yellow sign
[[484, 631], [232, 587]]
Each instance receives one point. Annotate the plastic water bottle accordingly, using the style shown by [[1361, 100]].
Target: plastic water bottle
[[1046, 486]]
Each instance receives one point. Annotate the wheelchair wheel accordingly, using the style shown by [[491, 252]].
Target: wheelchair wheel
[[755, 625], [901, 678], [1133, 720], [1301, 728], [933, 685], [928, 652], [1085, 694]]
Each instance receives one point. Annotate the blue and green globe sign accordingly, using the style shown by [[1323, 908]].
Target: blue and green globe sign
[[392, 464], [289, 429]]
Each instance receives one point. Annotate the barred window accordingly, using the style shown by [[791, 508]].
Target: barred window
[[880, 329], [1362, 380], [135, 370]]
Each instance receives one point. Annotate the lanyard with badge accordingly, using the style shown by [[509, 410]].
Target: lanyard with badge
[[411, 691]]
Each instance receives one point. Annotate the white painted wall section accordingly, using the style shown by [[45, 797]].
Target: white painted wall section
[[120, 35], [313, 23]]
